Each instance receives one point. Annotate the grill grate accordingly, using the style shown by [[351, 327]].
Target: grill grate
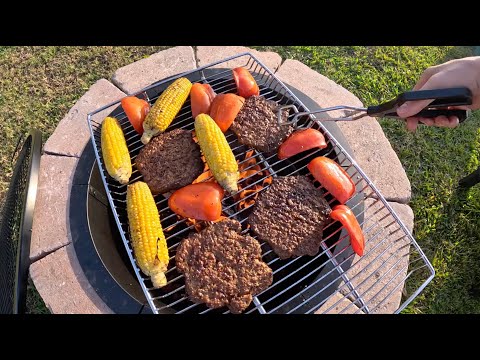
[[303, 284]]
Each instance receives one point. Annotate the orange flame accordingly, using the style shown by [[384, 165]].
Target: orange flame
[[250, 172]]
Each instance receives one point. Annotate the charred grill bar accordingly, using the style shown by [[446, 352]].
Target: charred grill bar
[[302, 284]]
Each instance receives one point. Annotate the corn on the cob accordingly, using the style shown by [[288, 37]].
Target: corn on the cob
[[149, 244], [115, 152], [165, 108], [219, 156]]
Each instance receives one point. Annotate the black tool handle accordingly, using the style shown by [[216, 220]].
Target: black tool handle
[[443, 99]]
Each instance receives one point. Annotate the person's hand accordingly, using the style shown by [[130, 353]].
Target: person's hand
[[454, 73]]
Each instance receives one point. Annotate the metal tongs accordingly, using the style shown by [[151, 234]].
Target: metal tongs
[[444, 98]]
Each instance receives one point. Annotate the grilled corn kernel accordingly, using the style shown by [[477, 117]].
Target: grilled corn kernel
[[148, 241], [115, 152], [219, 156], [166, 108]]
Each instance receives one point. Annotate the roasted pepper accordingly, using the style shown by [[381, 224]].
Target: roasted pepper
[[345, 215], [301, 140], [201, 97], [201, 201], [225, 108], [136, 110], [332, 177], [246, 84]]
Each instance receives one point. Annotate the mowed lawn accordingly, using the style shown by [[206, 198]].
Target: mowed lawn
[[39, 84]]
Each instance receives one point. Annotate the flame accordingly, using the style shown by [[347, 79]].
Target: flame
[[205, 174], [199, 225], [250, 172]]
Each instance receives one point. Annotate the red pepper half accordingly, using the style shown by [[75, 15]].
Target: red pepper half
[[301, 140], [136, 110], [201, 201], [345, 215], [246, 84], [225, 108], [332, 177], [201, 97]]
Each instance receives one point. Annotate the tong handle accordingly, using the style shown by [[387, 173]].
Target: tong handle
[[443, 99]]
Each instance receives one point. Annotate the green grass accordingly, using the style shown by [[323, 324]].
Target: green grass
[[39, 85]]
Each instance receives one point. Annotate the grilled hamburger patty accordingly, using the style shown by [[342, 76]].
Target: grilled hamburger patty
[[290, 216], [170, 161], [223, 267], [256, 124]]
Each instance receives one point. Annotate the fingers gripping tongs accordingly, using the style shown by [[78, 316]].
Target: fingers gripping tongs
[[444, 100]]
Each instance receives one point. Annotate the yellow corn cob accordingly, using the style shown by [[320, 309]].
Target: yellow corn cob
[[165, 108], [115, 151], [219, 156], [149, 244]]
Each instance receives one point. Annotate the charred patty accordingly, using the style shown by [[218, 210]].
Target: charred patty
[[256, 125], [290, 216], [170, 161], [223, 267]]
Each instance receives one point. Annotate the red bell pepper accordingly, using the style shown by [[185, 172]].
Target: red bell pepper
[[246, 84], [345, 215], [201, 97], [332, 177], [225, 108], [301, 140], [201, 201], [136, 110]]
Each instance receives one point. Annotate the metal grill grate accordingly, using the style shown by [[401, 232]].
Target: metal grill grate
[[15, 225], [303, 284]]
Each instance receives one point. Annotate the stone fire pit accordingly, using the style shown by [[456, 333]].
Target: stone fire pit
[[55, 269]]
